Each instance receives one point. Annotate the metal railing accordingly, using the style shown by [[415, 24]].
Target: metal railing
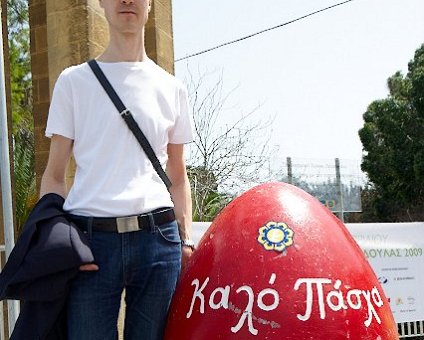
[[411, 329]]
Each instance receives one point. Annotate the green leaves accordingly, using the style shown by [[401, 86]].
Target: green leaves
[[25, 184], [20, 64], [393, 144], [22, 119], [207, 201]]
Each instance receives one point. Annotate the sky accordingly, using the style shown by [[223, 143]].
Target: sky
[[316, 76]]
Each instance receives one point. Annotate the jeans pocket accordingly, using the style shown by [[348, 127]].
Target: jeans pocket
[[169, 232]]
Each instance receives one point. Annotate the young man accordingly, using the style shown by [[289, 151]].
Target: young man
[[115, 179]]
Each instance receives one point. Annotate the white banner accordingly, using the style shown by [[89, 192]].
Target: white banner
[[396, 253]]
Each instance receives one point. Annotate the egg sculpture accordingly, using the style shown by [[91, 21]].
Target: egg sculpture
[[277, 264]]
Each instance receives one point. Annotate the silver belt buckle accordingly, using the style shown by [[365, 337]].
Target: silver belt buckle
[[127, 224]]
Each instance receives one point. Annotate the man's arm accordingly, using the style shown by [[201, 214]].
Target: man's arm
[[53, 179], [54, 176], [180, 189], [180, 192]]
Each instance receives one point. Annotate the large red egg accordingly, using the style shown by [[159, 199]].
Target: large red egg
[[277, 264]]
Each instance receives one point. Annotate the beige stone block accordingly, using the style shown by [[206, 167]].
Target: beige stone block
[[51, 23], [43, 90], [165, 51], [67, 26], [150, 41], [79, 28], [36, 2], [94, 5], [40, 38], [32, 47], [61, 57], [35, 96], [70, 173], [39, 65], [40, 112], [63, 5], [151, 22], [98, 32], [72, 165], [163, 16], [85, 51], [166, 4], [34, 58], [38, 181], [96, 49], [158, 35], [43, 143], [41, 158], [38, 14]]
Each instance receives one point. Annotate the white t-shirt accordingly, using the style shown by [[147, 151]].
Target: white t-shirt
[[114, 177]]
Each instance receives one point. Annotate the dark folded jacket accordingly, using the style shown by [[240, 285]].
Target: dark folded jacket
[[44, 260]]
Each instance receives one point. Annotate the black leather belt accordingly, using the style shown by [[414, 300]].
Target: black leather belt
[[127, 223]]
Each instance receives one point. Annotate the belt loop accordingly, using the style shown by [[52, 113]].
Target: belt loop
[[151, 222], [89, 226]]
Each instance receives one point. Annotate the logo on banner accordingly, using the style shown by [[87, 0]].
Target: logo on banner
[[398, 301], [383, 279]]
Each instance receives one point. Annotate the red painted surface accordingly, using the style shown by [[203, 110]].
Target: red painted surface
[[322, 256]]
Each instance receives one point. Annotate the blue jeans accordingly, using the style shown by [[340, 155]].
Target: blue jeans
[[147, 264]]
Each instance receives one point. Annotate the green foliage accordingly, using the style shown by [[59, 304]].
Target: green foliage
[[22, 120], [207, 201], [25, 184], [20, 64], [373, 205], [393, 142], [212, 205]]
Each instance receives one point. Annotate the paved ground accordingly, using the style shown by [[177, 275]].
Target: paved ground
[[121, 319]]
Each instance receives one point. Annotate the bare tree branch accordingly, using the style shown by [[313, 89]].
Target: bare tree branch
[[224, 156]]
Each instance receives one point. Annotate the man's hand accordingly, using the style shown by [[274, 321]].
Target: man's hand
[[181, 196], [89, 267], [186, 252]]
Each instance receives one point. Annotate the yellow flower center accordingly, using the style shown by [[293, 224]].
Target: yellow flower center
[[275, 235]]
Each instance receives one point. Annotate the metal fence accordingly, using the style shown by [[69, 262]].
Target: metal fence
[[336, 183], [409, 330]]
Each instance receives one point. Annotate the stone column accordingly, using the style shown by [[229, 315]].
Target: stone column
[[159, 35], [40, 79], [67, 32], [63, 33]]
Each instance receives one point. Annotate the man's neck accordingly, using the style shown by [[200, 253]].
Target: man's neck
[[124, 47]]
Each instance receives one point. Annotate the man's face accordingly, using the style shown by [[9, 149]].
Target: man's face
[[126, 16]]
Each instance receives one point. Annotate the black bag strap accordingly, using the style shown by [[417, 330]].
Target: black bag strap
[[129, 119]]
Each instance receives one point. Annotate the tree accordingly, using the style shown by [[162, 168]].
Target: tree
[[225, 157], [393, 144], [20, 70], [25, 183], [22, 120]]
